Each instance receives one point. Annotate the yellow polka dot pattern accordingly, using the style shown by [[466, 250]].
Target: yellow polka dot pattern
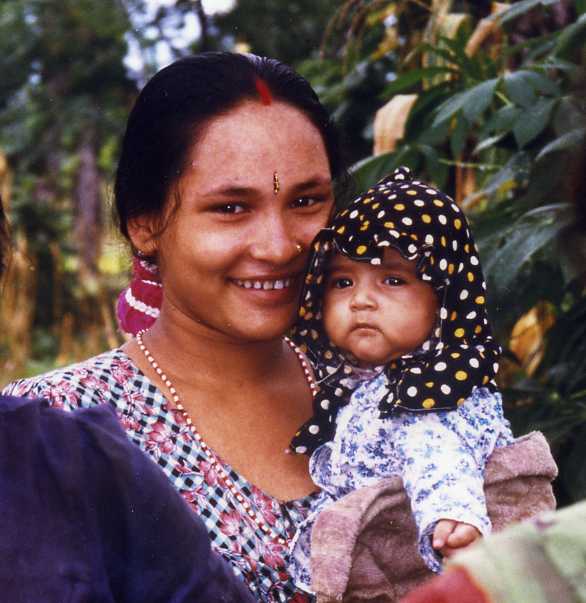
[[426, 226]]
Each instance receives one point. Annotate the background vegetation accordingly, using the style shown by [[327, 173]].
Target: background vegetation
[[486, 100]]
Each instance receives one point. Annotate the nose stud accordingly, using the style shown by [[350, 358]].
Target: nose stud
[[299, 247]]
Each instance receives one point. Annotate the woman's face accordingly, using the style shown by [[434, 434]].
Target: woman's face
[[258, 187]]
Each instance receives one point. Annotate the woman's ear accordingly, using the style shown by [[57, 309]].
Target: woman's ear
[[144, 232]]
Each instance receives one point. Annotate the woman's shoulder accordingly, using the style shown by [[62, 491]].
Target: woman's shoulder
[[84, 383]]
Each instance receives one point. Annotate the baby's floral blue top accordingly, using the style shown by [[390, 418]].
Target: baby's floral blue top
[[440, 457]]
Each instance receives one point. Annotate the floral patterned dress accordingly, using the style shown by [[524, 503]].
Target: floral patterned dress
[[159, 430], [440, 456]]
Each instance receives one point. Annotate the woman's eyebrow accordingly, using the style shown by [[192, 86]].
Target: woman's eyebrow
[[311, 183], [237, 190], [229, 191]]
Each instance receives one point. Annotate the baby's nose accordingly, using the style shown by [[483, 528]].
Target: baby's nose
[[362, 299]]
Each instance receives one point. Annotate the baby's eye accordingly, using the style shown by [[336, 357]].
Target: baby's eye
[[393, 281], [341, 283], [229, 208]]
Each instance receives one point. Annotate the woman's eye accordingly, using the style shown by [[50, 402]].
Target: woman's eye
[[342, 283], [230, 208], [394, 281], [305, 202]]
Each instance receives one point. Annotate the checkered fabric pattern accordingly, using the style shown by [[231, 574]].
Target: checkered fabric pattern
[[160, 430]]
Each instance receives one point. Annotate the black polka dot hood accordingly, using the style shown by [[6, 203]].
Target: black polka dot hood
[[426, 226]]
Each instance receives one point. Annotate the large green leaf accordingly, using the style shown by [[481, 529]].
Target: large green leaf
[[412, 77], [486, 143], [560, 64], [523, 86], [369, 171], [479, 98], [573, 36], [542, 83], [501, 121], [520, 8], [569, 140], [524, 239], [533, 121], [449, 107], [506, 178], [473, 101]]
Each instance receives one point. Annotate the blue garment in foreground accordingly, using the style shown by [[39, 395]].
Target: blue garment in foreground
[[87, 517]]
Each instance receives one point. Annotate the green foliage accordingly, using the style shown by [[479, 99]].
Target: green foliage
[[520, 8], [512, 116], [350, 90], [66, 90], [514, 119], [290, 31]]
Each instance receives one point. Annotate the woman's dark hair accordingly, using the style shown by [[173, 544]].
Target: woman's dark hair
[[179, 101]]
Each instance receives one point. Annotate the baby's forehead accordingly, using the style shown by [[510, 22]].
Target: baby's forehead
[[392, 259]]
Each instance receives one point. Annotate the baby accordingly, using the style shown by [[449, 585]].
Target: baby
[[393, 317]]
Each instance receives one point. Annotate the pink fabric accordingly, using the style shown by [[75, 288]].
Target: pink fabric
[[364, 545], [138, 305], [455, 585]]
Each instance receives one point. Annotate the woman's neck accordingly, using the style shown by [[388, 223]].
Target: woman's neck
[[188, 350]]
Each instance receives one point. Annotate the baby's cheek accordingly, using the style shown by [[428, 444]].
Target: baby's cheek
[[335, 317]]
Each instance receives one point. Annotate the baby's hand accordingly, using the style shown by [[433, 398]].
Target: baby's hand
[[450, 535]]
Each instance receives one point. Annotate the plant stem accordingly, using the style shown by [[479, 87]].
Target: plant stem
[[467, 164]]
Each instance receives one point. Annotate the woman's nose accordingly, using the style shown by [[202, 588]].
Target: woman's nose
[[273, 241]]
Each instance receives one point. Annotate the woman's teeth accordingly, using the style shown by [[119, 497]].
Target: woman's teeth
[[265, 285]]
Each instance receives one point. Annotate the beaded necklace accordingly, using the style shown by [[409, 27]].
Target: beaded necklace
[[266, 529]]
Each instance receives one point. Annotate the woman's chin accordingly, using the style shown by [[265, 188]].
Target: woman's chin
[[257, 329]]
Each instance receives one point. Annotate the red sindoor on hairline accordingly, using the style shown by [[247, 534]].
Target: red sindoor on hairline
[[263, 91]]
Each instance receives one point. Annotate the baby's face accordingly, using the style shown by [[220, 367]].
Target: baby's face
[[377, 313]]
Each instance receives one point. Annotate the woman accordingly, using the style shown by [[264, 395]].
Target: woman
[[225, 176], [86, 515]]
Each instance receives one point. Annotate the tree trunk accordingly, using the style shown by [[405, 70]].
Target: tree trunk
[[88, 218]]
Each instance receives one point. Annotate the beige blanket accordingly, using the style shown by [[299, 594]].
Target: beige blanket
[[364, 546]]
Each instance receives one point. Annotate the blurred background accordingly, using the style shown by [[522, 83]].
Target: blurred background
[[487, 100]]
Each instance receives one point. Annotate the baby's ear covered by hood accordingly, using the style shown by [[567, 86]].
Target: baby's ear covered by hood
[[445, 380]]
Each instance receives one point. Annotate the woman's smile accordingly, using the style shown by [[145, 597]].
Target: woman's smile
[[266, 285], [276, 290]]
